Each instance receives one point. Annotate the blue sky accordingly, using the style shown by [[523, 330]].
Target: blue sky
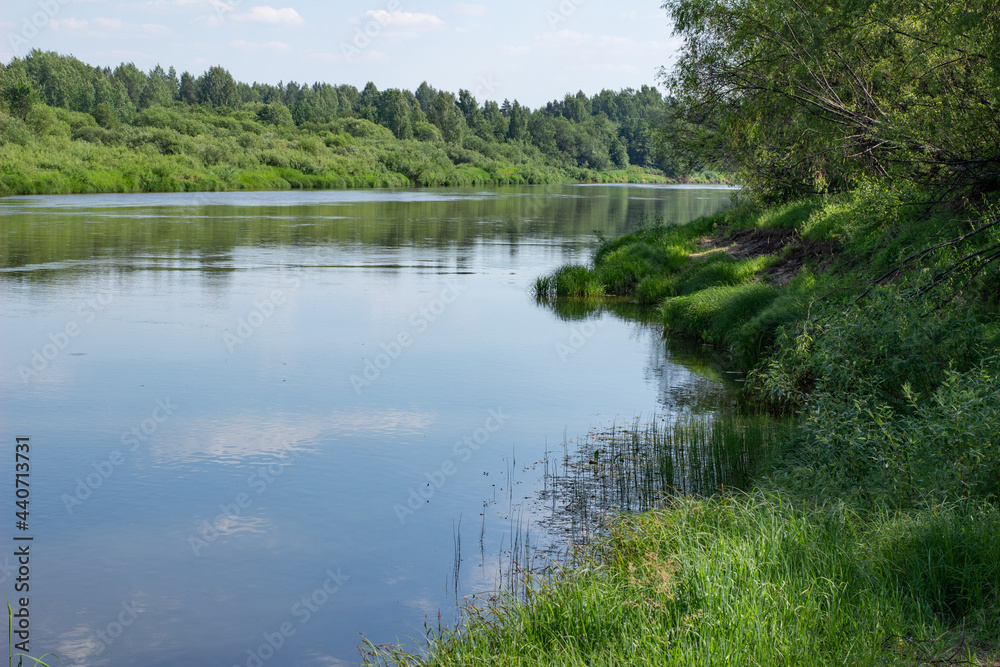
[[529, 50]]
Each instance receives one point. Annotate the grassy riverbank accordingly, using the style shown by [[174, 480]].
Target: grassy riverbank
[[868, 533]]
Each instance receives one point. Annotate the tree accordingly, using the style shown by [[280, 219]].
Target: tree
[[394, 113], [105, 115], [576, 107], [804, 96], [217, 88], [496, 123], [517, 128], [160, 89], [132, 78], [470, 109], [20, 97], [368, 102], [187, 92], [444, 113], [425, 97]]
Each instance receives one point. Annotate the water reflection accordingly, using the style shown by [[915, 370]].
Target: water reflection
[[210, 225], [251, 313]]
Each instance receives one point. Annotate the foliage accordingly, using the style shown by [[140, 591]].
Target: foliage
[[228, 134], [805, 96]]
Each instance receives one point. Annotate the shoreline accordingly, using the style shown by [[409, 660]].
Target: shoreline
[[839, 547]]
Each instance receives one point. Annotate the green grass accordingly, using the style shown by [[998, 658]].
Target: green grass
[[576, 281], [751, 580]]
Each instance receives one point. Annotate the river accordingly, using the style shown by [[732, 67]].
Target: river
[[262, 423]]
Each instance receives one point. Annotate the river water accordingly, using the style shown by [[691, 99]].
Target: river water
[[261, 424]]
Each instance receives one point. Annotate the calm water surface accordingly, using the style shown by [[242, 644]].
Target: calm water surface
[[263, 413]]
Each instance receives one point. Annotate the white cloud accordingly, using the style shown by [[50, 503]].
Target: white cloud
[[267, 47], [285, 16], [468, 9], [408, 19], [517, 50], [74, 25], [156, 29]]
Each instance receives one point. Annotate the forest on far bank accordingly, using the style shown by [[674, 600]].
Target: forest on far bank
[[67, 126]]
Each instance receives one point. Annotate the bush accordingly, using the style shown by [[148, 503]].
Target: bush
[[943, 446], [311, 145], [276, 114], [14, 131], [42, 121]]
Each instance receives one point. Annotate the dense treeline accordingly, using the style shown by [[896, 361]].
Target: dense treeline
[[161, 130]]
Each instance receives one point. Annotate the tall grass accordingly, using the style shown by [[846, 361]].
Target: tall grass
[[638, 466], [749, 580]]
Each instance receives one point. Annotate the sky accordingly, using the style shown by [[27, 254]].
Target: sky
[[533, 51]]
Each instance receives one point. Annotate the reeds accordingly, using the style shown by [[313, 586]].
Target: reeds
[[634, 467]]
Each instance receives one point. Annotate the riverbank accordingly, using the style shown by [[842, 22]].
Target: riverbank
[[70, 128], [870, 533], [79, 157]]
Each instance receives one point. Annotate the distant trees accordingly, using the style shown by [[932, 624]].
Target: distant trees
[[394, 113], [188, 93], [19, 96], [217, 88], [160, 90], [610, 129]]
